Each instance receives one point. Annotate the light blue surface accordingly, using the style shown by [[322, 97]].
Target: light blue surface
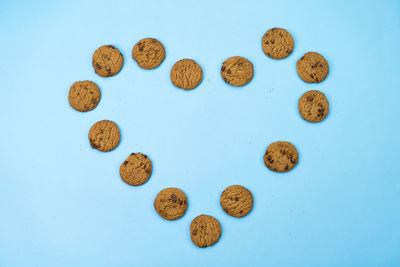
[[63, 203]]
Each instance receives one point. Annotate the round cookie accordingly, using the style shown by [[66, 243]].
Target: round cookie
[[312, 67], [104, 135], [313, 106], [205, 231], [84, 95], [171, 203], [236, 201], [186, 74], [277, 43], [281, 156], [148, 53], [136, 169], [237, 71], [107, 61]]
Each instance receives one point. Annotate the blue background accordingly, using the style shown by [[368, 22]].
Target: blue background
[[64, 204]]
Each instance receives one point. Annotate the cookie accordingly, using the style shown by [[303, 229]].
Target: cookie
[[281, 156], [136, 169], [312, 67], [104, 135], [84, 95], [107, 61], [171, 203], [313, 106], [237, 71], [205, 231], [148, 53], [236, 201], [277, 43], [186, 74]]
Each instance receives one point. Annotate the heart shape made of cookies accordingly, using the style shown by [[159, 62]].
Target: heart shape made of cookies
[[186, 74]]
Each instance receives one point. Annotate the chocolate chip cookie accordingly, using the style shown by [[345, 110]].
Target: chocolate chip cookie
[[107, 61], [236, 201], [171, 203], [281, 156], [205, 231], [84, 95], [136, 169], [148, 53], [277, 43], [186, 74], [237, 71], [313, 106], [312, 67], [104, 135]]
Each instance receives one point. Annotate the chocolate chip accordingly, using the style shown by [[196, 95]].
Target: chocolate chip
[[110, 46], [312, 76], [184, 202], [240, 64], [133, 154], [125, 162], [293, 160], [271, 161], [98, 66], [140, 48], [229, 71], [148, 171], [236, 199], [266, 42], [241, 211], [223, 68], [194, 232], [288, 51], [272, 41], [94, 101], [173, 197], [269, 54], [302, 58], [310, 98], [283, 152], [315, 65], [180, 202], [269, 158], [286, 167], [321, 110]]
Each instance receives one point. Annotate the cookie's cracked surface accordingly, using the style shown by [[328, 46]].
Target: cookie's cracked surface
[[281, 156], [171, 203], [136, 169], [236, 201], [104, 135], [205, 231]]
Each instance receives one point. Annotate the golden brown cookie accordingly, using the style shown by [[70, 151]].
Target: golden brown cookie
[[136, 169], [313, 106], [104, 135], [205, 231], [237, 201], [107, 61], [237, 71], [148, 53], [281, 156], [186, 74], [84, 95], [171, 203], [277, 43], [312, 67]]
